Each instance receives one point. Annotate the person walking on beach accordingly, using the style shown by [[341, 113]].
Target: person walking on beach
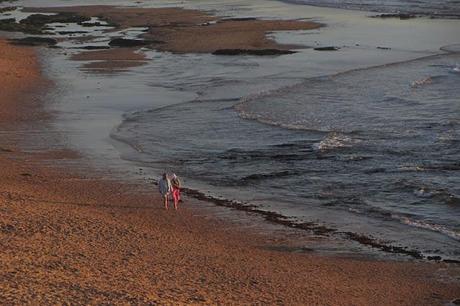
[[176, 185], [164, 186]]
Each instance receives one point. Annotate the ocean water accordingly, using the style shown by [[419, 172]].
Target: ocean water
[[435, 8], [372, 151]]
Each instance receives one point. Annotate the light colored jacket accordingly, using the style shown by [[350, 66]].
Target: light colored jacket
[[164, 186]]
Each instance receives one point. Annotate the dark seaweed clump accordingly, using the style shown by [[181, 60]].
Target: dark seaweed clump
[[258, 52]]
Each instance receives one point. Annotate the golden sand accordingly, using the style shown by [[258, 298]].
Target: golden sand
[[68, 237]]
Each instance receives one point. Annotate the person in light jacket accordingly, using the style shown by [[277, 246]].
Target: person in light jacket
[[165, 189]]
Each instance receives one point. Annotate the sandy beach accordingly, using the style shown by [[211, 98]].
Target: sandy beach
[[69, 235], [69, 238]]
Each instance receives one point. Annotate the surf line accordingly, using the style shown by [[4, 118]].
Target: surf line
[[314, 228]]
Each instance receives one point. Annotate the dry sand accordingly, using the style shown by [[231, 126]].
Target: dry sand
[[67, 237]]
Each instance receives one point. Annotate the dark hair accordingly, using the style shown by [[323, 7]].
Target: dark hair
[[165, 175]]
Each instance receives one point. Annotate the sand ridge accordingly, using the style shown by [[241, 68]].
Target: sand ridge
[[190, 31]]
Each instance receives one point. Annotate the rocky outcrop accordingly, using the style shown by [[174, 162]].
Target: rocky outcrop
[[34, 41], [258, 52], [7, 9], [328, 48], [41, 20], [37, 23], [402, 16], [123, 42], [10, 25], [94, 47]]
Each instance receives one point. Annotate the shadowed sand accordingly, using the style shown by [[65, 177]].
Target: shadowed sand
[[182, 30], [72, 237]]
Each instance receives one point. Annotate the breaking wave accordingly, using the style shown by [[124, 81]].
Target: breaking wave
[[334, 140], [429, 226]]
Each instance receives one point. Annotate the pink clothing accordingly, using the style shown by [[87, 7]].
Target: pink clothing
[[176, 194]]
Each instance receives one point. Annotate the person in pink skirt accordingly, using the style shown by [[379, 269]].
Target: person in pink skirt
[[176, 185]]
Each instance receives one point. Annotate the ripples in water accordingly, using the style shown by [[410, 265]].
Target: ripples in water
[[363, 151]]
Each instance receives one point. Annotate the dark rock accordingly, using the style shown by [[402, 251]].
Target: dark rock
[[108, 22], [384, 48], [10, 25], [41, 20], [452, 261], [72, 32], [34, 41], [94, 47], [437, 258], [123, 42], [239, 19], [7, 9], [92, 24], [258, 52], [330, 48], [402, 16], [456, 302], [36, 23]]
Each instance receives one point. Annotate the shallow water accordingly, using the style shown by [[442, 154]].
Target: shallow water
[[438, 8], [383, 153]]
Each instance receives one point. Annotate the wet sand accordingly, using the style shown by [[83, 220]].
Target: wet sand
[[19, 79], [186, 31], [112, 60], [67, 236]]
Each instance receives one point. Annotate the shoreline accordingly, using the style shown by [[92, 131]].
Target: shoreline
[[68, 237], [89, 239]]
